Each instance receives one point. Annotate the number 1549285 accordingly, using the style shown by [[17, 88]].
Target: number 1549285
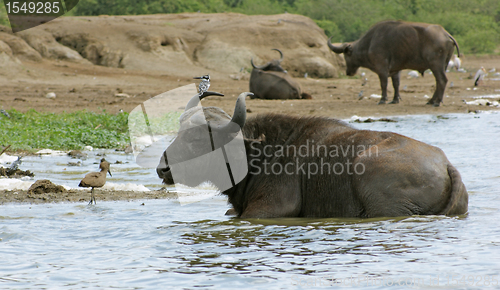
[[32, 7]]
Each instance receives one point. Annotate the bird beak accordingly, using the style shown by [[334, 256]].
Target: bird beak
[[109, 171], [198, 78]]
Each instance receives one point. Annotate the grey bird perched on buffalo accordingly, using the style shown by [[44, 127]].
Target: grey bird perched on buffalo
[[204, 84], [96, 179], [391, 46]]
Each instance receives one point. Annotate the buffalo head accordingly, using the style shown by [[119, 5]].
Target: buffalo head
[[271, 81], [273, 65], [346, 49], [207, 145]]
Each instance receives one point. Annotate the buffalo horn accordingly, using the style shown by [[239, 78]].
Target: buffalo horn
[[239, 115], [281, 54], [265, 65], [197, 98], [257, 67], [240, 110], [337, 49]]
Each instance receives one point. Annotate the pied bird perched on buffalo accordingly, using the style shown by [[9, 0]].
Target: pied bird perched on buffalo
[[391, 46], [204, 83]]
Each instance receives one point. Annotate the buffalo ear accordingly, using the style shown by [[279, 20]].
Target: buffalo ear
[[252, 144], [262, 138], [348, 50]]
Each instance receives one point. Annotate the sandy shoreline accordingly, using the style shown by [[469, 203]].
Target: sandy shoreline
[[81, 196]]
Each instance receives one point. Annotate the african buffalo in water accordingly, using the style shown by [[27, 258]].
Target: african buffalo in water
[[271, 81], [391, 46], [321, 167]]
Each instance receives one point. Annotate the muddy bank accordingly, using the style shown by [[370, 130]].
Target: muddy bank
[[94, 88], [116, 63], [80, 196]]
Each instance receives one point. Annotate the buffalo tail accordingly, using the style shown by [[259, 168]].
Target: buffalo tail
[[456, 44], [459, 198]]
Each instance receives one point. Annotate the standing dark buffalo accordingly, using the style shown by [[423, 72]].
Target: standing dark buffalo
[[271, 81], [320, 167], [391, 46]]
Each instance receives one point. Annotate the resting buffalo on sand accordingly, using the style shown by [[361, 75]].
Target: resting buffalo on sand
[[321, 167], [391, 46], [271, 81]]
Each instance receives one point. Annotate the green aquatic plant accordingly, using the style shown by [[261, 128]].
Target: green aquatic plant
[[64, 131]]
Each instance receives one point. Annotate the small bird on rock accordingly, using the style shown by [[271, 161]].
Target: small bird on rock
[[96, 179], [15, 165]]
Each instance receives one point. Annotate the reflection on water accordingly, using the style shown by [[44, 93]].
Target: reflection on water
[[162, 244]]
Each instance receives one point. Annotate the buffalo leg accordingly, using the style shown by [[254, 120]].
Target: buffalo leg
[[395, 84], [441, 81], [383, 86]]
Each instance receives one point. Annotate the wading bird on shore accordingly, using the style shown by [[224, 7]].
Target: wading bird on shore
[[479, 77], [96, 179]]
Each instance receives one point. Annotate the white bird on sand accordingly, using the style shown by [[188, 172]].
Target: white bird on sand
[[479, 77], [455, 62], [414, 74], [451, 64], [492, 70]]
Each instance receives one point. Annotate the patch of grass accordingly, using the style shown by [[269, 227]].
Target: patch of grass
[[158, 125], [66, 131], [3, 15]]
